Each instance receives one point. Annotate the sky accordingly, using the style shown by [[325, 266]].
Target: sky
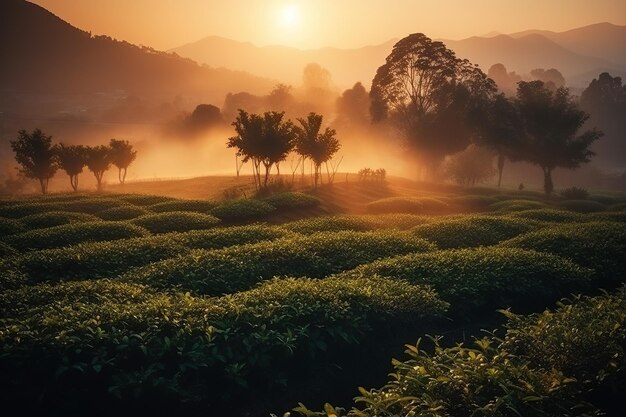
[[307, 24]]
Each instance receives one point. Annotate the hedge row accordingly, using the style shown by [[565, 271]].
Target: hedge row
[[292, 200], [175, 221], [356, 223], [423, 205], [242, 209], [198, 206]]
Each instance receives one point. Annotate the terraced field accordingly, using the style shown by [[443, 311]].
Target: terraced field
[[132, 303]]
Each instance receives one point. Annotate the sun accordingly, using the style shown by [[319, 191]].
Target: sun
[[289, 15]]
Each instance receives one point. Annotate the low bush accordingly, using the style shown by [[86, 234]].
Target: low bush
[[473, 230], [607, 216], [424, 205], [473, 202], [483, 279], [175, 221], [222, 237], [198, 206], [617, 207], [516, 205], [56, 218], [242, 209], [292, 200], [582, 206], [122, 213], [21, 209], [6, 250], [91, 205], [143, 199], [103, 340], [356, 223], [241, 267], [575, 193], [72, 234], [10, 227], [596, 245], [608, 199], [549, 215]]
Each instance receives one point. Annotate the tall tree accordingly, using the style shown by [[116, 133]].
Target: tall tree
[[551, 121], [427, 92], [121, 154], [98, 161], [306, 135], [310, 143], [35, 154], [263, 139], [353, 106], [72, 159], [471, 166]]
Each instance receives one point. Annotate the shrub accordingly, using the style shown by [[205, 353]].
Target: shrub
[[199, 206], [175, 221], [56, 218], [222, 237], [582, 206], [485, 278], [356, 223], [575, 193], [517, 205], [10, 227], [122, 213], [407, 205], [91, 205], [72, 234], [242, 209], [596, 245], [473, 230], [473, 202], [97, 260], [101, 340], [21, 209], [608, 216], [292, 200], [549, 215], [241, 267], [617, 207], [608, 199], [143, 199], [6, 250]]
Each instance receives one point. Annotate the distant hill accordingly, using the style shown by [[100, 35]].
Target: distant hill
[[42, 54]]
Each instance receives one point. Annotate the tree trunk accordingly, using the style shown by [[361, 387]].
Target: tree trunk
[[124, 176], [501, 160], [268, 167], [74, 182], [548, 185], [44, 185], [98, 180]]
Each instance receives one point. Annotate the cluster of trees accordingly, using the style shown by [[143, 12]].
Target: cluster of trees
[[40, 159], [442, 104], [267, 139]]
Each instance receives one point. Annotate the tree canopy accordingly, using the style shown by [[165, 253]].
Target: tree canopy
[[310, 143], [121, 154], [72, 159], [98, 161], [36, 156]]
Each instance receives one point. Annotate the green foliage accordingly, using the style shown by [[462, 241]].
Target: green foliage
[[596, 245], [199, 206], [548, 215], [292, 200], [473, 230], [473, 202], [143, 199], [617, 207], [242, 209], [608, 216], [82, 205], [10, 227], [482, 279], [355, 223], [175, 221], [56, 218], [517, 205], [575, 193], [422, 205], [123, 213], [241, 267], [74, 233], [582, 206], [222, 237], [6, 250]]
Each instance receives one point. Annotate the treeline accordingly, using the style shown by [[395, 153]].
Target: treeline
[[40, 159]]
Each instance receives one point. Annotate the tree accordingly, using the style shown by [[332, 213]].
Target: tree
[[353, 106], [310, 143], [427, 92], [121, 154], [263, 139], [506, 81], [98, 161], [72, 159], [551, 78], [551, 121], [499, 128], [471, 166], [35, 154]]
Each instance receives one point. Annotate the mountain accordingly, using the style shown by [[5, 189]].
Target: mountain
[[42, 54], [347, 66]]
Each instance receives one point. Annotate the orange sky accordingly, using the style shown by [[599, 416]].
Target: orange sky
[[165, 24]]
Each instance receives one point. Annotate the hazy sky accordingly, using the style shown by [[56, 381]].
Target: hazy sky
[[165, 24]]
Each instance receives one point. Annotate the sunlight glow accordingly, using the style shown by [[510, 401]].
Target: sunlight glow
[[289, 16]]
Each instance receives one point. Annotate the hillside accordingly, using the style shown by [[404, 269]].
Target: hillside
[[49, 56]]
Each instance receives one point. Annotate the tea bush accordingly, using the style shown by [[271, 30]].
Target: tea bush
[[143, 199], [10, 227], [356, 223], [241, 267], [242, 209], [407, 205], [596, 245], [122, 213], [582, 206], [473, 202], [292, 200], [617, 207], [517, 205], [21, 209], [74, 233], [175, 221], [607, 216], [6, 250], [56, 218], [473, 230], [222, 237], [549, 215], [483, 279], [575, 193], [199, 206]]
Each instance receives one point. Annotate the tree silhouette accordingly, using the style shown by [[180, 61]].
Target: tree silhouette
[[72, 159], [310, 143], [427, 92], [353, 106], [121, 155], [35, 154], [263, 139], [98, 161], [551, 121], [471, 166]]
